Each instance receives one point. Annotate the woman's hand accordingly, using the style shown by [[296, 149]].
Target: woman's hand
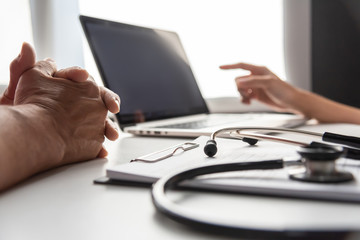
[[263, 85]]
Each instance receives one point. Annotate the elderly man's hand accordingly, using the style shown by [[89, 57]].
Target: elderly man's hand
[[70, 99]]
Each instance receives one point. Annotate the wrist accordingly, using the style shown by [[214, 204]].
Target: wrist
[[302, 102], [41, 131]]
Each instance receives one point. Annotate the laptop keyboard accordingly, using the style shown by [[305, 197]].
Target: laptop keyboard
[[230, 120], [196, 124], [246, 119], [189, 125]]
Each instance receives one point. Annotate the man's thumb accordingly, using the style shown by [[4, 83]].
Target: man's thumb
[[18, 66]]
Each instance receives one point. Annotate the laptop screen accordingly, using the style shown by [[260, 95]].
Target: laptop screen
[[148, 68]]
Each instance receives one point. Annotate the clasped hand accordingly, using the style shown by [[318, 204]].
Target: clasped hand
[[68, 100]]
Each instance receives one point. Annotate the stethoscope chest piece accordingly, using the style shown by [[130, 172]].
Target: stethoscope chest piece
[[320, 165]]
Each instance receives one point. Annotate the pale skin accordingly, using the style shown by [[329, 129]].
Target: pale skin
[[263, 85], [49, 118]]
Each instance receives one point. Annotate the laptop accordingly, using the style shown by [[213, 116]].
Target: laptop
[[149, 70]]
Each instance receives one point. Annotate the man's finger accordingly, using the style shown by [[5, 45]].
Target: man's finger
[[75, 74], [111, 100], [103, 153], [18, 66], [47, 67], [111, 131]]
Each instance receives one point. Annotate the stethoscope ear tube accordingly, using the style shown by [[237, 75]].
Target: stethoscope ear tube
[[341, 139], [350, 153], [352, 143]]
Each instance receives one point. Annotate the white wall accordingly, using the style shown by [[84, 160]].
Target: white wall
[[57, 31], [15, 28], [213, 32], [297, 42]]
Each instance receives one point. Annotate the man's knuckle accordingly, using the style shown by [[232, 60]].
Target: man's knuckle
[[33, 73], [90, 88]]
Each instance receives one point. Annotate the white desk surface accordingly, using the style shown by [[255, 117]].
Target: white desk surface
[[65, 204]]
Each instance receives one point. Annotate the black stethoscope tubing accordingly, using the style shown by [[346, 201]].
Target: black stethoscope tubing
[[181, 214], [167, 207]]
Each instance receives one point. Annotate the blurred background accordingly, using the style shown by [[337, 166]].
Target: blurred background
[[213, 32], [313, 44]]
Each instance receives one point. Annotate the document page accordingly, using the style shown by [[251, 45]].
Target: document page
[[273, 182]]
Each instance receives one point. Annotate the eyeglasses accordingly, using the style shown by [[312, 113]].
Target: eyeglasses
[[183, 147]]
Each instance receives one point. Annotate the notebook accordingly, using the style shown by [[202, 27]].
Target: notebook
[[149, 70]]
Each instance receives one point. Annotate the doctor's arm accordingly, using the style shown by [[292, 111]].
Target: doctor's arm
[[263, 85], [50, 118]]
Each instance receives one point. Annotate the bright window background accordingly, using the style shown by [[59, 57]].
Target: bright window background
[[15, 28], [213, 32]]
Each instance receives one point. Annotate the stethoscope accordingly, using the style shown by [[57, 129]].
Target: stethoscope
[[317, 158]]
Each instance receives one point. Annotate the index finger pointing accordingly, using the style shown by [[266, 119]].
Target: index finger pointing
[[245, 66]]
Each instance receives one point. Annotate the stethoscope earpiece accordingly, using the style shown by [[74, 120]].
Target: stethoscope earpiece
[[250, 141], [210, 148]]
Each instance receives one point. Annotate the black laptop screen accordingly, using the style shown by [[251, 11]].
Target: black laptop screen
[[147, 68]]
